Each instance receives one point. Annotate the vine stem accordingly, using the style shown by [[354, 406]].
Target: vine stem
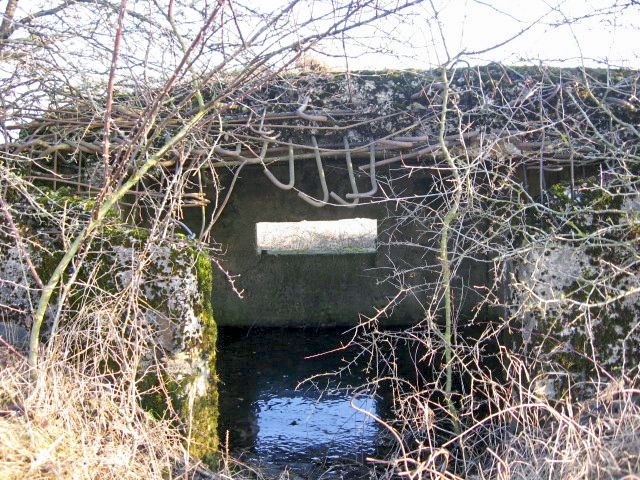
[[450, 216]]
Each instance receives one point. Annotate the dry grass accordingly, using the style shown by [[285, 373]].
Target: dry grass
[[598, 438], [66, 420], [78, 414], [64, 424], [509, 427], [595, 438]]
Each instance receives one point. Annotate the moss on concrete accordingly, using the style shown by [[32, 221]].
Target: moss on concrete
[[191, 381], [573, 286], [205, 407], [174, 298]]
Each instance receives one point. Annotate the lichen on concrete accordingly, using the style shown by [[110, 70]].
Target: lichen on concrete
[[177, 286], [172, 289], [578, 290]]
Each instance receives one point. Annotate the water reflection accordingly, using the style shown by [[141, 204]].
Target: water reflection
[[273, 420]]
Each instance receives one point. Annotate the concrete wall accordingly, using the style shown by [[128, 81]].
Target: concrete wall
[[320, 289]]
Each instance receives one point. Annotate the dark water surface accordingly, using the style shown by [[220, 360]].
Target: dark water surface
[[273, 420]]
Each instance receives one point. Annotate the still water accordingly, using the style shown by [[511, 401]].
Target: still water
[[275, 419]]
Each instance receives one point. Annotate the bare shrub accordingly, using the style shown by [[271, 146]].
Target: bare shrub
[[542, 381], [68, 421]]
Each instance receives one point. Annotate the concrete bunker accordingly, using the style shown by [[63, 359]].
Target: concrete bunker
[[312, 285]]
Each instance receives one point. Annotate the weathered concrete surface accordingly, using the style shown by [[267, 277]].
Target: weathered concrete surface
[[578, 296], [170, 284], [324, 289], [495, 107], [494, 113]]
